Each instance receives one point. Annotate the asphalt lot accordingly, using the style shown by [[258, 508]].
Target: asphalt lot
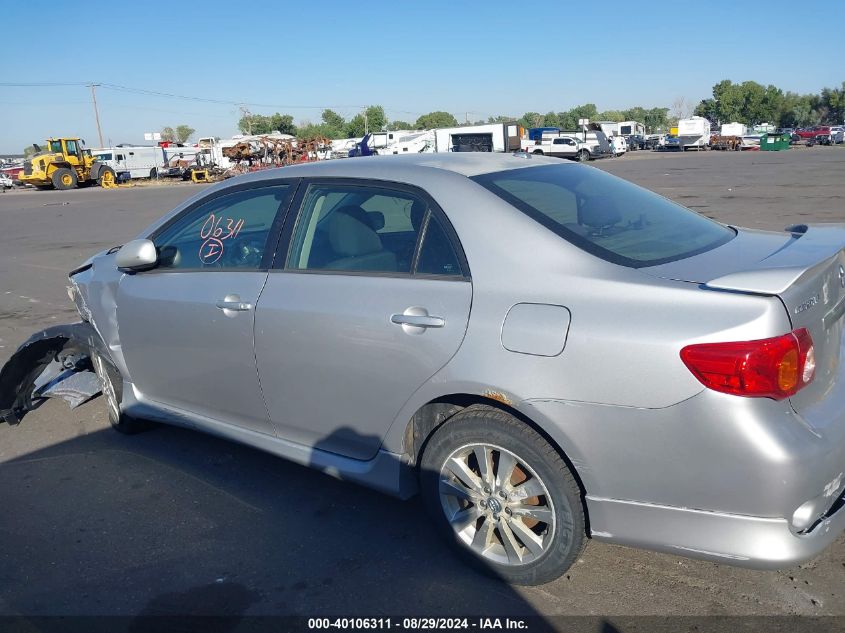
[[173, 521]]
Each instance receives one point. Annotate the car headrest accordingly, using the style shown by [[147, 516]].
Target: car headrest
[[375, 219], [350, 236], [599, 212]]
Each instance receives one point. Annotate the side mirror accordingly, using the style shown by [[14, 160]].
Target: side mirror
[[137, 255]]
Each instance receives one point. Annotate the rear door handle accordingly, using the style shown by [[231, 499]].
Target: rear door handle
[[416, 320], [233, 303]]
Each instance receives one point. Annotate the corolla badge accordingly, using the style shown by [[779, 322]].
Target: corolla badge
[[809, 303]]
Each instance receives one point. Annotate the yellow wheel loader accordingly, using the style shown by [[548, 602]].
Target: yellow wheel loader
[[65, 164]]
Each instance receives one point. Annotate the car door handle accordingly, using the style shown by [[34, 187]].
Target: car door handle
[[418, 320], [237, 306], [233, 303]]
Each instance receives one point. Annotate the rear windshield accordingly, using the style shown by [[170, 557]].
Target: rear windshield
[[605, 215]]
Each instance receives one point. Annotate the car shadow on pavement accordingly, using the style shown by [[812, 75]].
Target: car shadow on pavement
[[174, 522]]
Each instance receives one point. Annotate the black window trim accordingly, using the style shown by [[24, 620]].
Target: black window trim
[[270, 249], [486, 181], [280, 264]]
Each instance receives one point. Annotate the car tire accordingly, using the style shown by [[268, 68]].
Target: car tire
[[64, 178], [153, 173], [111, 383], [492, 524], [583, 156]]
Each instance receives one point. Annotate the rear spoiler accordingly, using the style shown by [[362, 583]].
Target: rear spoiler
[[769, 281], [811, 249]]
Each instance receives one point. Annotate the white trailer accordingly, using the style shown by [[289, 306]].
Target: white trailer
[[383, 140], [631, 128], [610, 128], [733, 129], [411, 143], [493, 137], [694, 132]]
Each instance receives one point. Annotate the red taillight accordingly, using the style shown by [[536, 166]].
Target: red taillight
[[768, 368]]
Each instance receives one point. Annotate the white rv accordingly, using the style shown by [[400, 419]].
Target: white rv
[[493, 137], [631, 128], [694, 132]]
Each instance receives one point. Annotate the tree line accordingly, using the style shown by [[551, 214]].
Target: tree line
[[748, 102], [334, 126], [752, 103]]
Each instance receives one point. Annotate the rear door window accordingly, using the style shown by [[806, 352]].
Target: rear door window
[[605, 215]]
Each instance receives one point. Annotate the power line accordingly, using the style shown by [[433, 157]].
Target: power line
[[170, 95]]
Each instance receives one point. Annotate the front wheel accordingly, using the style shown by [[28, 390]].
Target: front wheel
[[64, 178], [111, 384], [503, 497], [583, 156]]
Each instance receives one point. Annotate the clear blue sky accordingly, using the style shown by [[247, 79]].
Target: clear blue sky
[[484, 58]]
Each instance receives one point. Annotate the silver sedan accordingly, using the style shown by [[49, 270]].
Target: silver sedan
[[545, 352]]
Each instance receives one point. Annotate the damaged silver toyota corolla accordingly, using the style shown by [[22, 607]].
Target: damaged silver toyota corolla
[[546, 352]]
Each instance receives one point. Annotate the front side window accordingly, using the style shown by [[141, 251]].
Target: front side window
[[605, 215], [71, 147], [228, 232]]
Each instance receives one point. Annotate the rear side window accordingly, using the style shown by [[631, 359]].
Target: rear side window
[[605, 215], [437, 256], [357, 228]]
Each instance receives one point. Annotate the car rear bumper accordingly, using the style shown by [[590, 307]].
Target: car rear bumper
[[743, 480], [746, 541]]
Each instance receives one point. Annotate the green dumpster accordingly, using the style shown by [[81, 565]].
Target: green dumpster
[[774, 142]]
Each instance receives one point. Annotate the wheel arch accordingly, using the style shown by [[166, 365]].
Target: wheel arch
[[433, 414]]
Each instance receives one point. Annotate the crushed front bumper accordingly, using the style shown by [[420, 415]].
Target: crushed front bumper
[[68, 345]]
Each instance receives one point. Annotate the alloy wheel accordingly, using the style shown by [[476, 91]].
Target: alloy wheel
[[496, 504]]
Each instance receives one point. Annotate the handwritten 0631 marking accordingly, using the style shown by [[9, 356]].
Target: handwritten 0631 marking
[[213, 233]]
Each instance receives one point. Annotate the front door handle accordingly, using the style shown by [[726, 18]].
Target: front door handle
[[230, 304], [417, 320]]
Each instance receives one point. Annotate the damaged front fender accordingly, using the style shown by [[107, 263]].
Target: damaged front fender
[[70, 345]]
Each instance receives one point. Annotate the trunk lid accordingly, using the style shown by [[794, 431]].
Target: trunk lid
[[805, 268]]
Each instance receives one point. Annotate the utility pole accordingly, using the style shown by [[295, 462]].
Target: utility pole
[[96, 111], [366, 126], [245, 114]]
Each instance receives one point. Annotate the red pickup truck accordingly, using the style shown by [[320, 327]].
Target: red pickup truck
[[811, 132]]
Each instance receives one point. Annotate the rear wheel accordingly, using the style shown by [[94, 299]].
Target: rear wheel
[[583, 156], [64, 178], [107, 178], [111, 384], [503, 497]]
